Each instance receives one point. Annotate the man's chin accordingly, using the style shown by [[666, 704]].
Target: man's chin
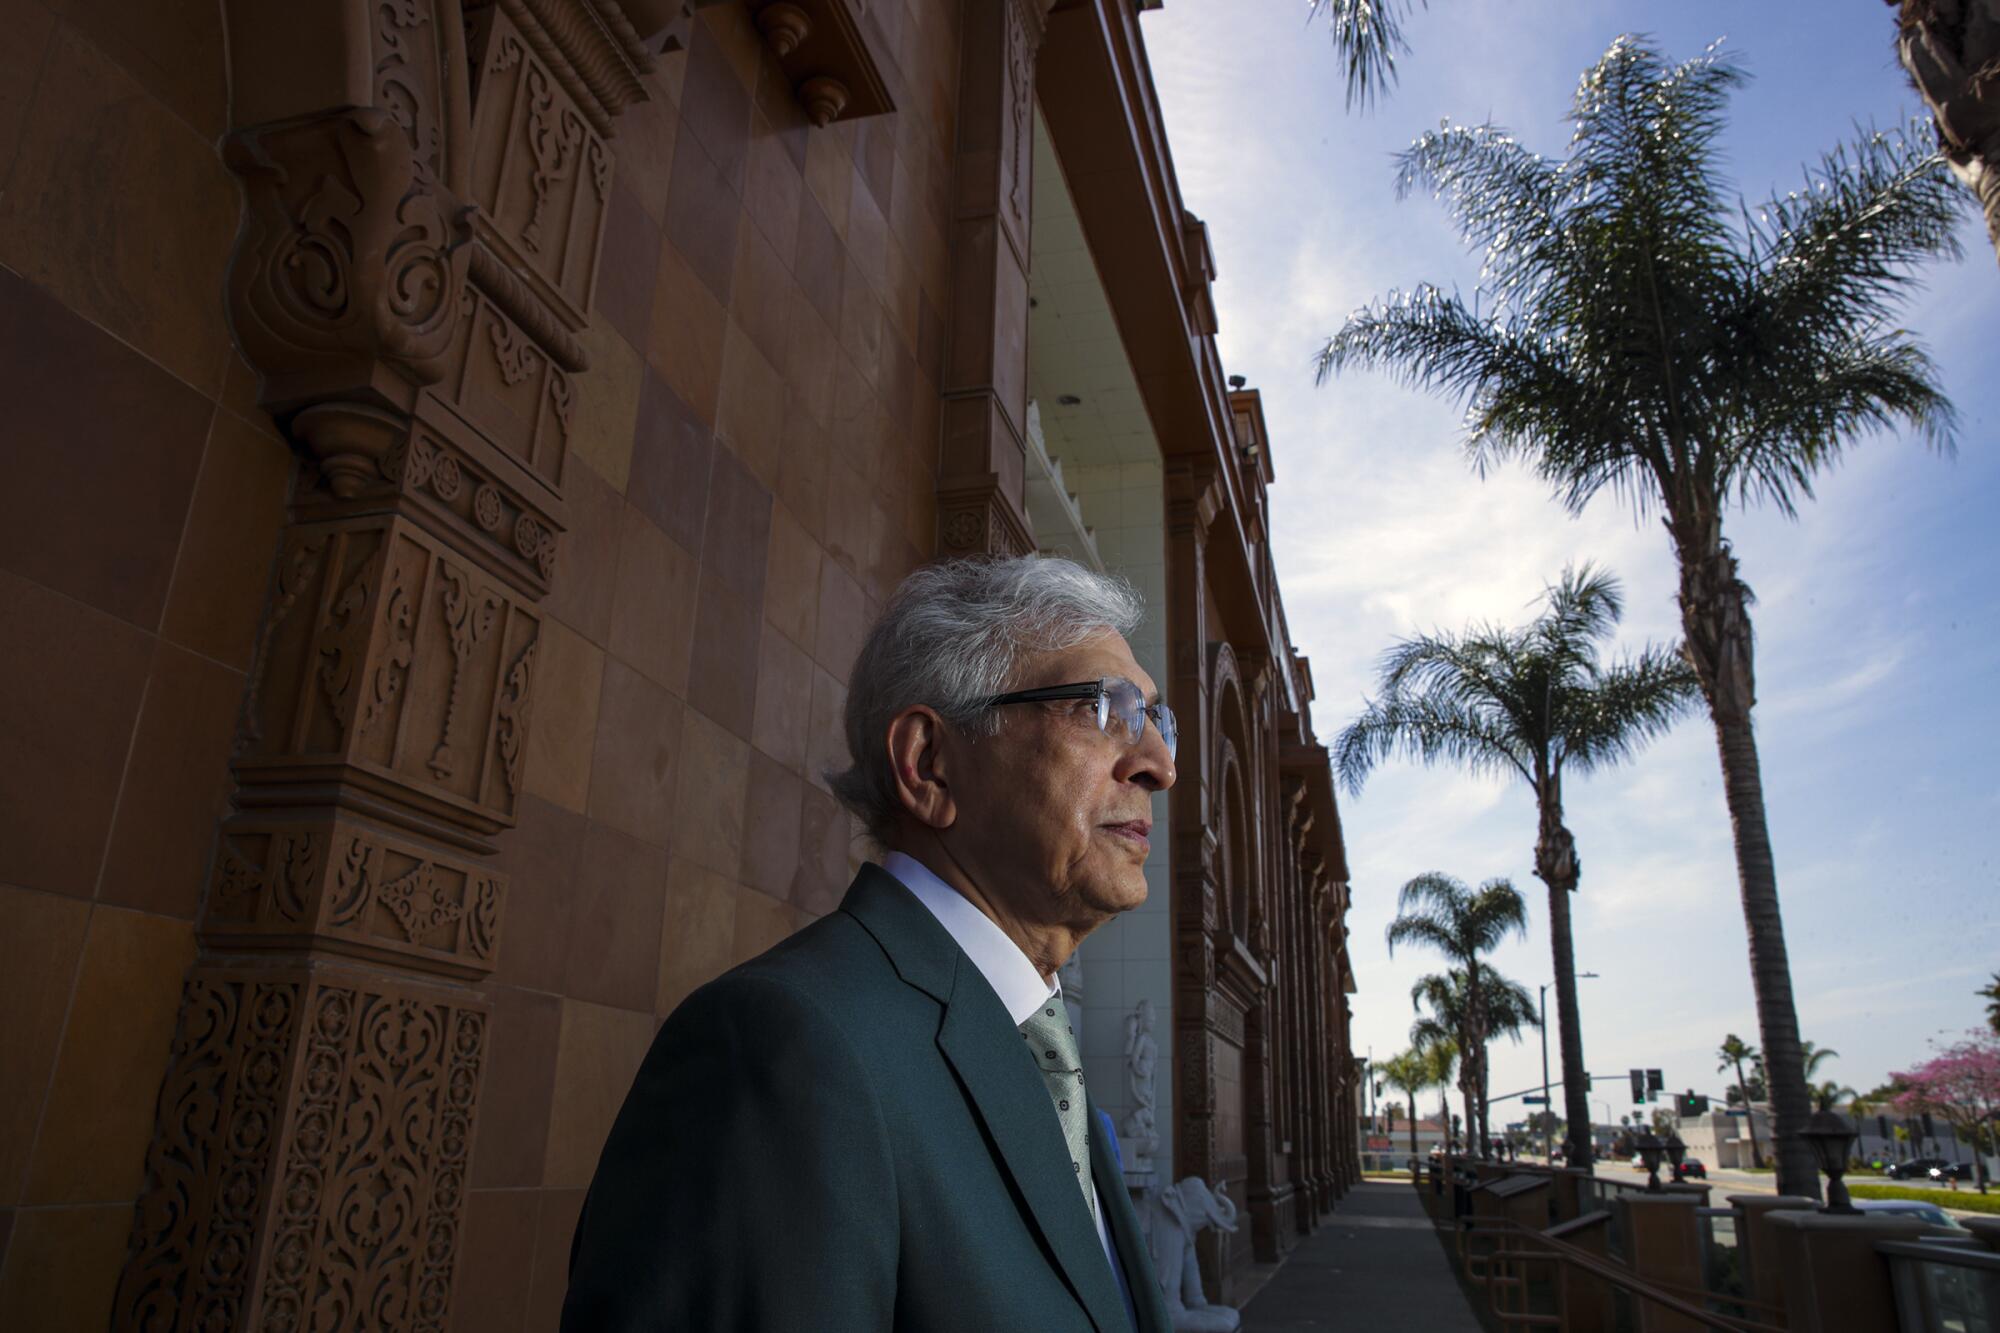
[[1118, 894]]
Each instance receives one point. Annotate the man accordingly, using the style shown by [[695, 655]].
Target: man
[[882, 1122]]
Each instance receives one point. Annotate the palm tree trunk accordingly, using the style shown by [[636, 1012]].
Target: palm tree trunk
[[1948, 48], [1413, 1128], [1556, 865], [1576, 1098], [1770, 968], [1715, 616], [1475, 1001]]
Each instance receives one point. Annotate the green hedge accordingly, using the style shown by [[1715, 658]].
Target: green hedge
[[1968, 1199]]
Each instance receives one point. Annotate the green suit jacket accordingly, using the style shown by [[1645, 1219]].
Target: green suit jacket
[[847, 1133]]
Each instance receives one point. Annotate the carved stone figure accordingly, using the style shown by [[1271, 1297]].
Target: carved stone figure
[[1174, 1216], [1139, 1134]]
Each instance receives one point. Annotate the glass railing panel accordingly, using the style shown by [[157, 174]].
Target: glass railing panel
[[1944, 1288]]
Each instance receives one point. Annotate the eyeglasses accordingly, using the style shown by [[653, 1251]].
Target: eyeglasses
[[1122, 709]]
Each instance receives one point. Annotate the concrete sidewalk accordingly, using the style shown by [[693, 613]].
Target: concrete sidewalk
[[1375, 1264]]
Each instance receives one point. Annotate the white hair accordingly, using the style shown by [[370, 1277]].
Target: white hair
[[952, 637]]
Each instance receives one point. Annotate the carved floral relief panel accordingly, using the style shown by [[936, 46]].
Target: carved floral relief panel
[[395, 667], [309, 1159]]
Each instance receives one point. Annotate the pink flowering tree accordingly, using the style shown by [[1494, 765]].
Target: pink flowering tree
[[1960, 1085]]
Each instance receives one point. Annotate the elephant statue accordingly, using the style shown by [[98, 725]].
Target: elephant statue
[[1175, 1215]]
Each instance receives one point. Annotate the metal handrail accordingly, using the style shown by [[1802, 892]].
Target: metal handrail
[[1931, 1252], [1561, 1252]]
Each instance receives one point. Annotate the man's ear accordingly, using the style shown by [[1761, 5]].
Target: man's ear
[[918, 743]]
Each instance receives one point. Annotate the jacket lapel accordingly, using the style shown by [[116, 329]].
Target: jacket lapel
[[984, 1048], [1123, 1223]]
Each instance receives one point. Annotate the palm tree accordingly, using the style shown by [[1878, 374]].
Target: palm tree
[[1409, 1073], [1991, 994], [1826, 1095], [1648, 335], [1536, 703], [1445, 1023], [1733, 1052], [1441, 913], [1507, 1008], [1438, 1051], [1950, 49], [1860, 1105]]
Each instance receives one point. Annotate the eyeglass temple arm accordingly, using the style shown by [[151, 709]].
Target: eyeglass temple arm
[[1049, 692]]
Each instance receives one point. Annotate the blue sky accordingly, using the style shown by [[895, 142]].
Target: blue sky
[[1878, 612]]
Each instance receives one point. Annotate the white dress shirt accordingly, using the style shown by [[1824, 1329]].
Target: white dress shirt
[[1013, 977]]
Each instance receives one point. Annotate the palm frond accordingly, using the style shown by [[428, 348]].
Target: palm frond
[[1838, 251], [1427, 732], [1509, 1007], [1496, 910], [1627, 705], [1584, 605], [1437, 1037], [1503, 197], [1864, 386], [1368, 36], [1419, 930]]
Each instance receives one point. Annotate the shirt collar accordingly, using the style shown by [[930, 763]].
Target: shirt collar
[[1006, 969]]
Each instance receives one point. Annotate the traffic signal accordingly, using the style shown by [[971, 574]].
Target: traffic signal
[[1691, 1103], [1654, 1083], [1586, 1083], [1638, 1087]]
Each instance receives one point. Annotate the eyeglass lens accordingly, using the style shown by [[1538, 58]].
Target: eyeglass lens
[[1125, 712]]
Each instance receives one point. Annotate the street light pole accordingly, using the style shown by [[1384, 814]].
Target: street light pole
[[1548, 1121], [1542, 1020]]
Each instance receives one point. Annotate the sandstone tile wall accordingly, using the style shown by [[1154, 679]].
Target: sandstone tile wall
[[142, 499], [752, 465]]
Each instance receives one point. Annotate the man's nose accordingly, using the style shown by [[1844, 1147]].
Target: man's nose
[[1148, 764]]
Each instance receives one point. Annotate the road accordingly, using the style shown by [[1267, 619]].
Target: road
[[1724, 1182]]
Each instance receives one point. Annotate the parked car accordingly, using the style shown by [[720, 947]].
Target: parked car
[[1691, 1168], [1924, 1212], [1917, 1168], [1952, 1171]]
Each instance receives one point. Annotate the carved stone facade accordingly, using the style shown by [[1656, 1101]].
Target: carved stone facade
[[411, 282], [1259, 873], [982, 509], [455, 447]]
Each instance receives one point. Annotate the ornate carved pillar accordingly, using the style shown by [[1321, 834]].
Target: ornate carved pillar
[[1329, 1089], [1306, 1139], [982, 509], [1193, 500], [425, 188]]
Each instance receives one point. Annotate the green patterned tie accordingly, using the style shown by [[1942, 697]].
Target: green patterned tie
[[1052, 1041]]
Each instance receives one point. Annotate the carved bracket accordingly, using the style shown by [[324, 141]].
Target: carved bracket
[[347, 270], [832, 53], [975, 518]]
